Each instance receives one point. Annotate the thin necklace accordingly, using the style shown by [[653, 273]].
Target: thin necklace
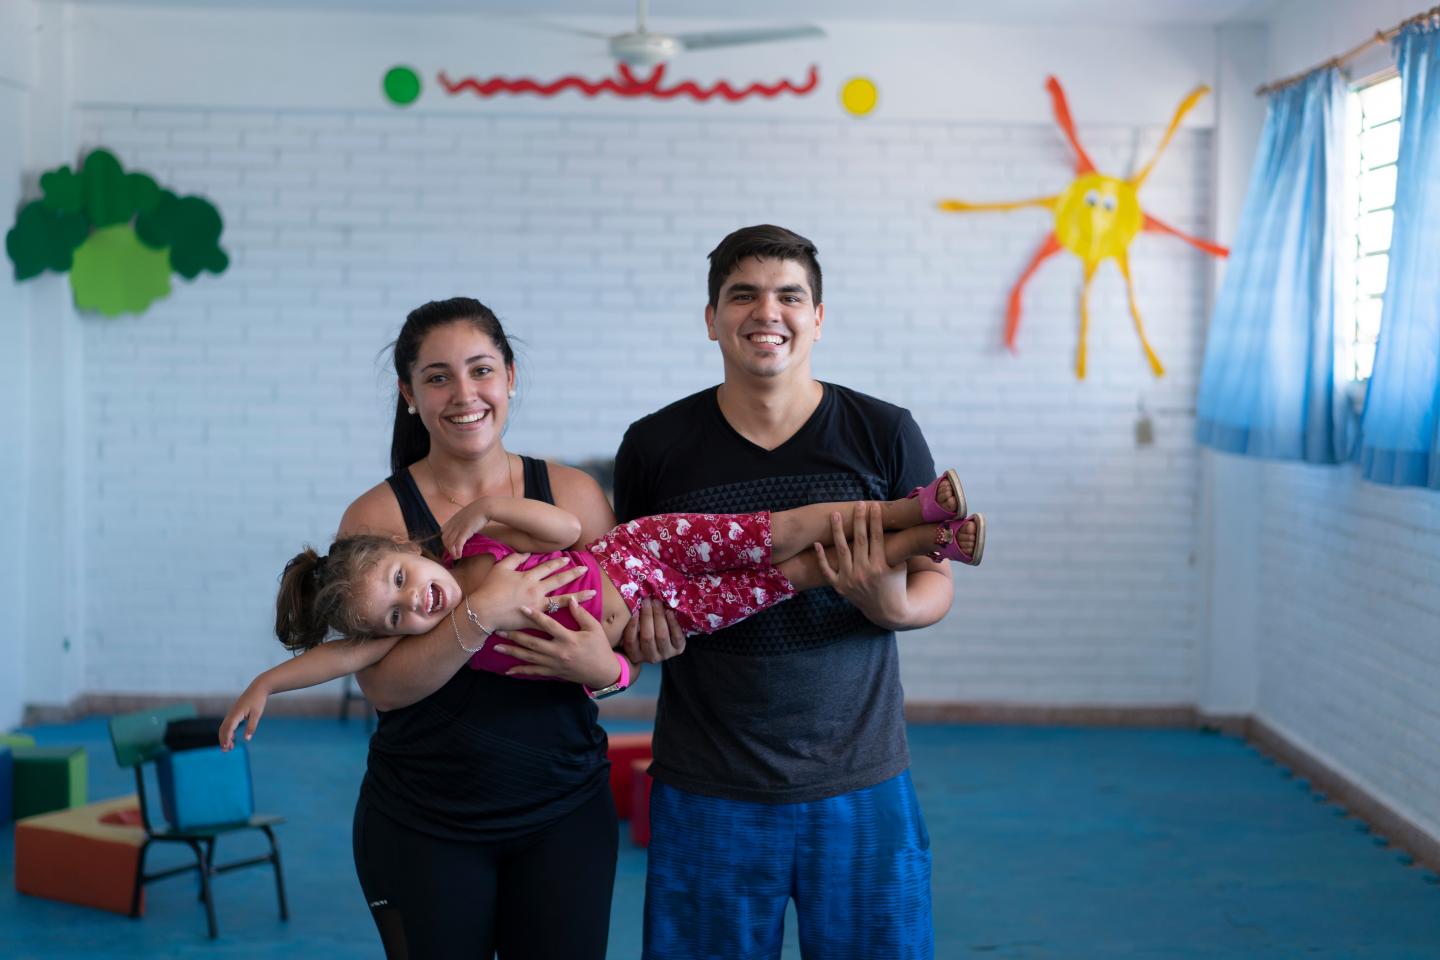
[[435, 478]]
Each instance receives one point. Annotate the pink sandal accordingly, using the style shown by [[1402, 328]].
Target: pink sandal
[[930, 509], [947, 546]]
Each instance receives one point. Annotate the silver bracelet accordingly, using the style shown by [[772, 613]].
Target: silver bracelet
[[469, 615]]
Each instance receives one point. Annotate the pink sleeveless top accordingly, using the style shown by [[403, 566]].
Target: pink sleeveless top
[[486, 658]]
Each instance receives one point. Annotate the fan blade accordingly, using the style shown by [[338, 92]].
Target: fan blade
[[551, 26], [731, 38]]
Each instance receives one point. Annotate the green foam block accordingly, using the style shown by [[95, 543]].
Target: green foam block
[[49, 778]]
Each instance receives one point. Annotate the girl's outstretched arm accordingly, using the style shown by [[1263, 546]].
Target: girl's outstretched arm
[[530, 526], [328, 661]]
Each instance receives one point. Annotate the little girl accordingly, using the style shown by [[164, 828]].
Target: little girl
[[712, 570]]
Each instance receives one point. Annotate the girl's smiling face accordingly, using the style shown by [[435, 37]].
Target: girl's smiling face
[[407, 593]]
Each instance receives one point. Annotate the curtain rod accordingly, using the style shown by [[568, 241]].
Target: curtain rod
[[1381, 36]]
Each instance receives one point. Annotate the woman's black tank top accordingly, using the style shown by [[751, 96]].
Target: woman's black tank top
[[485, 757]]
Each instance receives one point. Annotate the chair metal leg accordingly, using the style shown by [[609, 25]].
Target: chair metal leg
[[139, 890], [209, 867], [279, 876], [205, 891]]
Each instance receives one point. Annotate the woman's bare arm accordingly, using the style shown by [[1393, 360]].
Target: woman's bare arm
[[577, 492]]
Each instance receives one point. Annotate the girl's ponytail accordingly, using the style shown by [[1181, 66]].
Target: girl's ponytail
[[299, 624], [319, 594]]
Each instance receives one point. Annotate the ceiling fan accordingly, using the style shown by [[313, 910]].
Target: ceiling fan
[[647, 48]]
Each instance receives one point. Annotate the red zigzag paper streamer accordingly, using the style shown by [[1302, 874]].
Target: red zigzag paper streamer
[[628, 85]]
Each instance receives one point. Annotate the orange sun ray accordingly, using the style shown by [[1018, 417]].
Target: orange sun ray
[[1214, 249], [1083, 163], [1123, 262], [1084, 321], [1192, 98], [1048, 248], [962, 206]]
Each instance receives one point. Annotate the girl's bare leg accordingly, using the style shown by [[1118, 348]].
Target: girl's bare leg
[[793, 532], [803, 570]]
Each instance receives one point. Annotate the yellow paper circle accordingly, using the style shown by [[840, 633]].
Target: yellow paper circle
[[859, 96]]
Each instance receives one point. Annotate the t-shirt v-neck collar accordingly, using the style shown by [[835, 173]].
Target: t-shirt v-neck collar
[[751, 445]]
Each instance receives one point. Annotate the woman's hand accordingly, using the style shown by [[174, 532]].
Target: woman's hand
[[466, 522], [507, 591], [653, 634], [583, 656]]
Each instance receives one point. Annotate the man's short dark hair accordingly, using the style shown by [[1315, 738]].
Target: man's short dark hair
[[766, 242]]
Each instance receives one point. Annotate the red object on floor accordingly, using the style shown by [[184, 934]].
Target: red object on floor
[[640, 803], [85, 855], [625, 748]]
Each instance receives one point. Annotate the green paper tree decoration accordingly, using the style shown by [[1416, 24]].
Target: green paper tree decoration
[[119, 235]]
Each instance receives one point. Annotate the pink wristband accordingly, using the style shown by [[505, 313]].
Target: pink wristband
[[615, 687]]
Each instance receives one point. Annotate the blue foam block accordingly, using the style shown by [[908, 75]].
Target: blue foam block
[[205, 787], [7, 784]]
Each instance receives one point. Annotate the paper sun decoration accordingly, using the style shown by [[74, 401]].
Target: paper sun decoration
[[1096, 217], [118, 234]]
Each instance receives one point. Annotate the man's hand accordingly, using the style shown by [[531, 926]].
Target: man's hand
[[653, 634], [860, 573]]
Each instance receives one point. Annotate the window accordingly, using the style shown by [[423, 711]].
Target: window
[[1373, 122]]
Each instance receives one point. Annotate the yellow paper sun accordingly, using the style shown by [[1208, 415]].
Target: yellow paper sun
[[1096, 217]]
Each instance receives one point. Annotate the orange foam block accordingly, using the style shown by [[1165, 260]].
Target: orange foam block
[[640, 802], [625, 748], [86, 855]]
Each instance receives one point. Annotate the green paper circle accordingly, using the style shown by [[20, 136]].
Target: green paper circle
[[402, 86]]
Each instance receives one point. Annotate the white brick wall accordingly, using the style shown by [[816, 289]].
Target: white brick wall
[[1350, 648], [14, 432], [235, 420]]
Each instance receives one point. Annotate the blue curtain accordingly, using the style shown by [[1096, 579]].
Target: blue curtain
[[1400, 428], [1269, 386]]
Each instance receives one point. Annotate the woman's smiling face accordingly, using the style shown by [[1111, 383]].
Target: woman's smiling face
[[459, 387]]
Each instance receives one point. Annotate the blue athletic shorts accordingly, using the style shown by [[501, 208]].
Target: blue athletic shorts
[[721, 872]]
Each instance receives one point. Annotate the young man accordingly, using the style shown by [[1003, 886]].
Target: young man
[[780, 755]]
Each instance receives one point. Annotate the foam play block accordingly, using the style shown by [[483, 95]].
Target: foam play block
[[200, 788], [625, 748], [49, 778], [86, 855], [7, 783], [640, 802]]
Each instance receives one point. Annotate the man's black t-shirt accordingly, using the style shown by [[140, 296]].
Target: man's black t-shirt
[[802, 701]]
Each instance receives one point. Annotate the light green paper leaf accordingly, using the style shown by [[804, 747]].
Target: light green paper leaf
[[115, 273]]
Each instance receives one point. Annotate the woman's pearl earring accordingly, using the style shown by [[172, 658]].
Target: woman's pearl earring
[[510, 394], [410, 409]]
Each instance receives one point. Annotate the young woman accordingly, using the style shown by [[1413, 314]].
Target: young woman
[[484, 821]]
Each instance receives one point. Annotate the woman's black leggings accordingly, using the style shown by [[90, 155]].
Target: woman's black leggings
[[543, 896]]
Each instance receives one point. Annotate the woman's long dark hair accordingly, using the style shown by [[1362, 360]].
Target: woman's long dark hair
[[410, 441]]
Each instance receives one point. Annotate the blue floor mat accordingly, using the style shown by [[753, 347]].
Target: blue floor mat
[[1048, 843]]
